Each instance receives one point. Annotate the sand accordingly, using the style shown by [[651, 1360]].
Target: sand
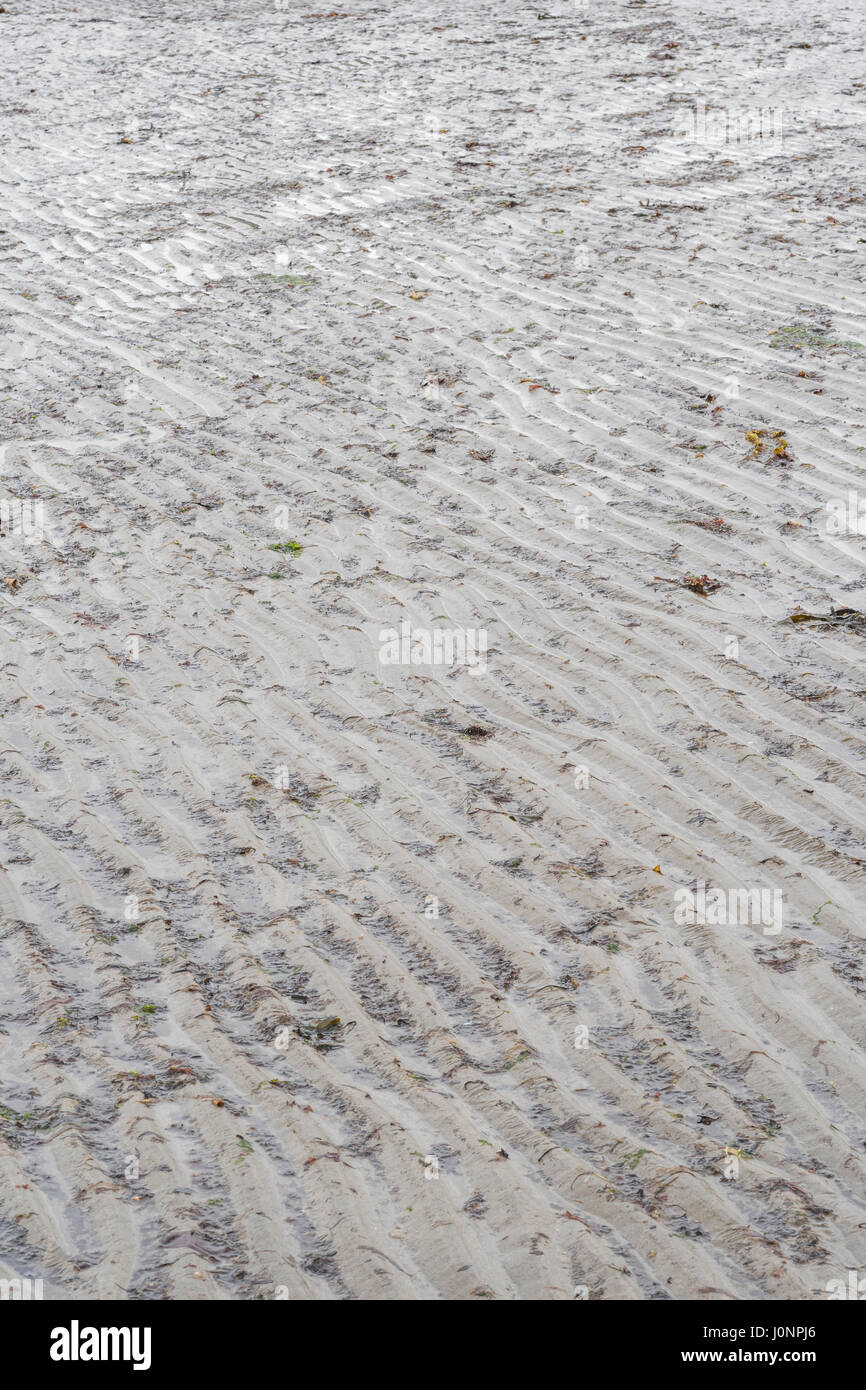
[[329, 977]]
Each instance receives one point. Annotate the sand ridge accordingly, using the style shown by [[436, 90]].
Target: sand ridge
[[323, 976]]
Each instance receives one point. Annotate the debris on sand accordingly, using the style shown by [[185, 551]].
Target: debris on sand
[[701, 584], [837, 617]]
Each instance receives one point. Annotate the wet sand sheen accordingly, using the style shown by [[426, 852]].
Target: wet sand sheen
[[343, 977]]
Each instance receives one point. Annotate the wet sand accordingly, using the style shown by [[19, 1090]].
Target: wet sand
[[328, 978]]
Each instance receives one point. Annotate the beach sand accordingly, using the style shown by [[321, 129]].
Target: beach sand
[[329, 977]]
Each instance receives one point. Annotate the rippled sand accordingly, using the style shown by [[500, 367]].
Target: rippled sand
[[327, 978]]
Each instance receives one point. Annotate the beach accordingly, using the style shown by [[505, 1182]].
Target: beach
[[432, 638]]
